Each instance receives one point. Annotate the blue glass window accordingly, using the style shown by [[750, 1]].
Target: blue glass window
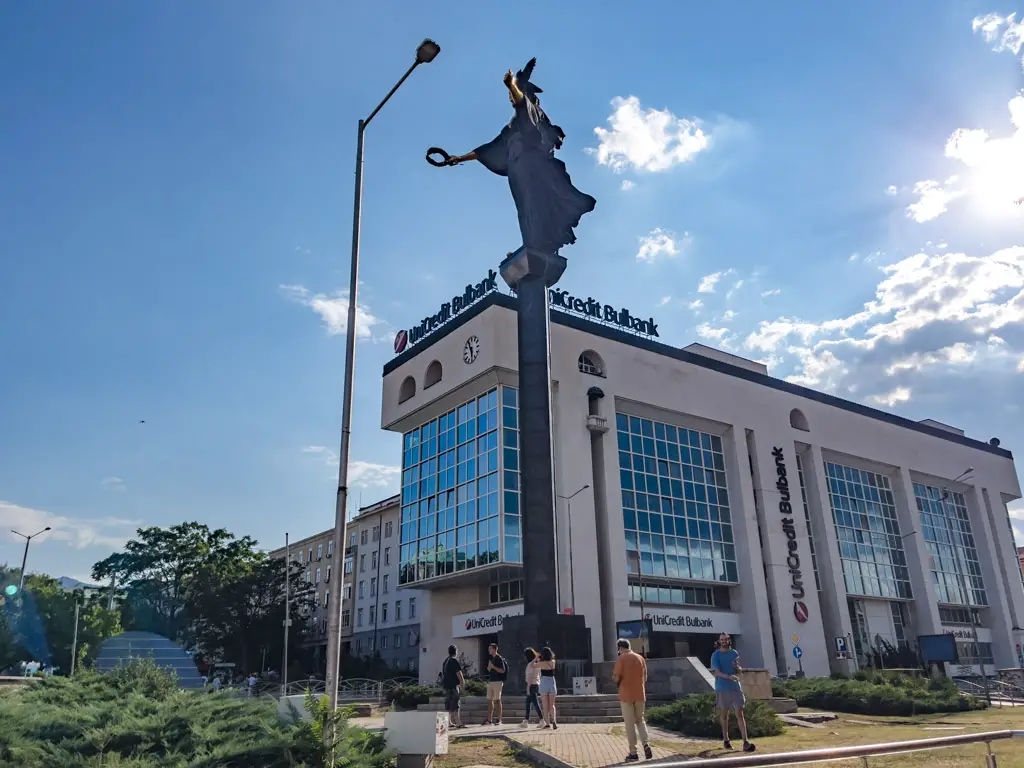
[[947, 532]]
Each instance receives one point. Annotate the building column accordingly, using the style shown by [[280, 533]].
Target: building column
[[925, 606], [999, 612], [832, 597], [753, 589]]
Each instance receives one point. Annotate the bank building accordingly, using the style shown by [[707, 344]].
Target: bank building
[[822, 534]]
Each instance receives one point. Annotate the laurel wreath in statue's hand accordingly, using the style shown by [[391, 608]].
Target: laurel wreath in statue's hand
[[446, 159]]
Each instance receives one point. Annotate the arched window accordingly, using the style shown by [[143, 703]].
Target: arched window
[[590, 362], [407, 390], [433, 374], [797, 420]]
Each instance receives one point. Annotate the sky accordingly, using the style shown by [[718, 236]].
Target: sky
[[828, 189]]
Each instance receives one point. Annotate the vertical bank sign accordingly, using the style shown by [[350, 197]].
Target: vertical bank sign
[[796, 585], [446, 312]]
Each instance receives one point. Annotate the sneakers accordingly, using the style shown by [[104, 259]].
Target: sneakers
[[748, 747], [632, 757], [543, 724], [727, 744], [647, 752], [524, 724], [554, 725]]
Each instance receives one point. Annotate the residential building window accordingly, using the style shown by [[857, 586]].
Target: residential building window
[[412, 663], [348, 591], [327, 596], [362, 563], [319, 551], [383, 642], [316, 599], [387, 555], [385, 584], [675, 501], [361, 593], [369, 644], [352, 539], [317, 575], [398, 610], [346, 617], [328, 574], [412, 639], [450, 492], [373, 561], [412, 607], [309, 576], [311, 554], [363, 536], [301, 557], [868, 533], [359, 645], [373, 614], [397, 641], [383, 613], [376, 533], [359, 617], [330, 547], [348, 565], [389, 528], [373, 587], [946, 527]]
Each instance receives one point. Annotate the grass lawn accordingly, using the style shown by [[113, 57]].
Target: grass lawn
[[864, 729], [484, 751]]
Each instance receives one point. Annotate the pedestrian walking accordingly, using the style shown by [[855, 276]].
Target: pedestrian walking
[[728, 690], [630, 674], [548, 688], [452, 681], [497, 672], [532, 686]]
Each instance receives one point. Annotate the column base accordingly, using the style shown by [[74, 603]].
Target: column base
[[529, 263]]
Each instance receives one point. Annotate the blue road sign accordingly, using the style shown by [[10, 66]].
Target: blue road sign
[[841, 645], [797, 651]]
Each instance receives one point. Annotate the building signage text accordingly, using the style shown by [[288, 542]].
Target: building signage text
[[483, 622], [796, 584], [590, 307], [693, 621], [446, 312]]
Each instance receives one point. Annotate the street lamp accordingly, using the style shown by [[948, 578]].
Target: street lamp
[[568, 515], [425, 53], [24, 558]]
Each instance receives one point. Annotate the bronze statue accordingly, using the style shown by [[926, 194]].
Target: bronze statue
[[549, 206]]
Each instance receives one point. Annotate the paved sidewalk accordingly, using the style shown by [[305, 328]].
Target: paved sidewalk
[[580, 745]]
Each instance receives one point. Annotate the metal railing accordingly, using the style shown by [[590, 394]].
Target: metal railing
[[354, 690], [998, 690], [861, 752]]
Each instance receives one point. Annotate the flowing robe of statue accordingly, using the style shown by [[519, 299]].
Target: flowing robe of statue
[[549, 206]]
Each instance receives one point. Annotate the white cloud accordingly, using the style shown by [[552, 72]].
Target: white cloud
[[627, 185], [708, 282], [933, 199], [771, 292], [333, 310], [717, 335], [113, 484], [647, 139], [369, 475], [1004, 32], [728, 315], [108, 532], [729, 294], [664, 300], [329, 457], [944, 311], [891, 190], [661, 244], [695, 304]]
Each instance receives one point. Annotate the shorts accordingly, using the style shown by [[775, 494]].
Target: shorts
[[494, 690], [547, 686], [730, 699], [451, 699]]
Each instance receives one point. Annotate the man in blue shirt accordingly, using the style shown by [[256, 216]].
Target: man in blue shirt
[[728, 691]]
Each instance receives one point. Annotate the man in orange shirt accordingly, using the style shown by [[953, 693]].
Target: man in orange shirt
[[631, 676]]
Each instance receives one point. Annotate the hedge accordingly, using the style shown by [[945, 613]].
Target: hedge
[[878, 694], [697, 716]]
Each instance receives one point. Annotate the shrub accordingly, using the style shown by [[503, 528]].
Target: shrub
[[697, 716], [475, 687], [136, 716], [411, 696], [874, 693]]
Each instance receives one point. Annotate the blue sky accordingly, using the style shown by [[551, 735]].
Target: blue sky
[[829, 191]]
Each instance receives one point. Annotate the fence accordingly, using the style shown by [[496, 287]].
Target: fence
[[999, 692], [354, 690], [861, 752]]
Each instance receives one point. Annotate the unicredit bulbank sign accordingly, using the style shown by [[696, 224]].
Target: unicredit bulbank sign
[[485, 622], [663, 620]]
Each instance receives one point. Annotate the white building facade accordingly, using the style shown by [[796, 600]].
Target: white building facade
[[717, 499]]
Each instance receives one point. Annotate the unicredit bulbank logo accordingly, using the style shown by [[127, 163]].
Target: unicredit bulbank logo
[[401, 342], [668, 620], [487, 623]]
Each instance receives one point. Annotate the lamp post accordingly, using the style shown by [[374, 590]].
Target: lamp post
[[425, 53], [287, 612], [24, 558], [568, 515]]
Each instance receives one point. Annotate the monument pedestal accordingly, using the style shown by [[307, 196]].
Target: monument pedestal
[[530, 273]]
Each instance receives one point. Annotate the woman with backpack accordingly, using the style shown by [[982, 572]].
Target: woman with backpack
[[548, 688]]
